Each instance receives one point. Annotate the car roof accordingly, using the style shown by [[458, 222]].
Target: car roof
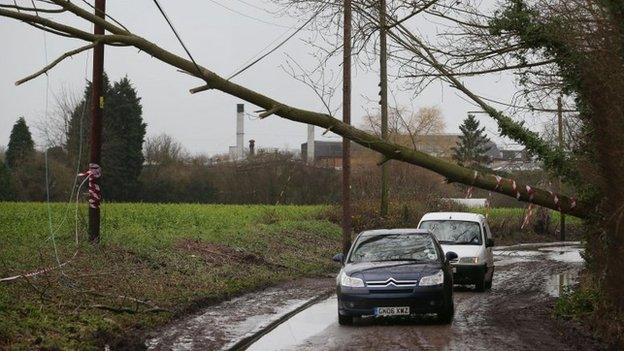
[[454, 216], [395, 231]]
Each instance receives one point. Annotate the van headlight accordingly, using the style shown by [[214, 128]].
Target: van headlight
[[350, 282], [435, 279], [471, 260]]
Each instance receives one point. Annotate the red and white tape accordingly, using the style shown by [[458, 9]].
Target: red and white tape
[[471, 187], [95, 192], [529, 212], [499, 181], [527, 216]]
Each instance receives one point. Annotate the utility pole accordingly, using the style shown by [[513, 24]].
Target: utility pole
[[562, 230], [346, 118], [97, 106], [383, 84]]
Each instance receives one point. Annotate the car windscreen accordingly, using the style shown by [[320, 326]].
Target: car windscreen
[[394, 247], [450, 232]]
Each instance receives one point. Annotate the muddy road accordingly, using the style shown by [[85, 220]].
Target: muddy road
[[516, 314]]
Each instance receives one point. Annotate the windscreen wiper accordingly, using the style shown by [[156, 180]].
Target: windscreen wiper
[[398, 260], [394, 265]]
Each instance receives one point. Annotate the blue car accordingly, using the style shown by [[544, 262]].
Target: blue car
[[395, 272]]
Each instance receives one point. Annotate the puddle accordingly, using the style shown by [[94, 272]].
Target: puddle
[[512, 260], [560, 253], [299, 328], [567, 254], [557, 284], [521, 253], [222, 325], [508, 257]]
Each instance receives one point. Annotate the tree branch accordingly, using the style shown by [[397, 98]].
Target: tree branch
[[56, 62]]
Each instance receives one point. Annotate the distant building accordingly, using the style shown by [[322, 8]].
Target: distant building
[[326, 153], [438, 145], [518, 159]]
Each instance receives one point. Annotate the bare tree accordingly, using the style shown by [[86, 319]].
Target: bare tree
[[405, 127], [54, 128], [163, 149]]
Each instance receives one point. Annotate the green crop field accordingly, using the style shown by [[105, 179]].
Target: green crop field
[[155, 262]]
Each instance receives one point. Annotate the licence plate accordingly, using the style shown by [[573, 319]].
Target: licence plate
[[454, 269], [392, 311]]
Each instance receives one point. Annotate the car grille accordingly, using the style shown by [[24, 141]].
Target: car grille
[[391, 282]]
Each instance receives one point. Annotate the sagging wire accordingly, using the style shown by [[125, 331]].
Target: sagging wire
[[300, 28], [175, 32], [74, 190]]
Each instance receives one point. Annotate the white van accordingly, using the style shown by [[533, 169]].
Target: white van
[[468, 235]]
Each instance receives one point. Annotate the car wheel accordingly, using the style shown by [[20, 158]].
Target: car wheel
[[345, 320], [446, 316]]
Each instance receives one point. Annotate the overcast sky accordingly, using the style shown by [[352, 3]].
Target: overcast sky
[[222, 40]]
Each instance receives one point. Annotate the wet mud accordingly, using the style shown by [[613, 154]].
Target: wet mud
[[221, 326]]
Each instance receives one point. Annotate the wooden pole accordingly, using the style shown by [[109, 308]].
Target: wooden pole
[[97, 106], [562, 230], [383, 83], [346, 118]]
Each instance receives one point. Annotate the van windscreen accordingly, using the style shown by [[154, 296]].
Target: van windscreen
[[450, 232]]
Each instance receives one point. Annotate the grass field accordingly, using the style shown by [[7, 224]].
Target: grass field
[[155, 262]]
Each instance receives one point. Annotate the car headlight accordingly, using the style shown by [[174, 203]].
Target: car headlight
[[435, 279], [469, 260], [350, 282]]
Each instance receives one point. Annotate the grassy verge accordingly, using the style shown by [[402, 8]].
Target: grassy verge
[[155, 262]]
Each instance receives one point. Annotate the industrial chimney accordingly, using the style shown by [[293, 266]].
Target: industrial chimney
[[240, 131], [310, 149]]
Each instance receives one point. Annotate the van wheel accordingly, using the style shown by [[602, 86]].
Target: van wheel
[[488, 284], [345, 320], [481, 284]]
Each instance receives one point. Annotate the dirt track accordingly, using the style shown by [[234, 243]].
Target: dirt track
[[515, 315]]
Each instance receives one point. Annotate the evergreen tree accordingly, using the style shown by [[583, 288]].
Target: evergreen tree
[[123, 133], [21, 146], [122, 143], [472, 147]]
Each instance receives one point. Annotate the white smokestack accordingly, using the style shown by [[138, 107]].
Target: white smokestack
[[240, 131], [310, 150]]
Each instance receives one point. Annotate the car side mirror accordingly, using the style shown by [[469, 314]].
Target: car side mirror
[[450, 256], [489, 242], [338, 258]]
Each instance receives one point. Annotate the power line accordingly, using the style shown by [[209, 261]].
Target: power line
[[321, 8], [256, 7], [162, 11], [248, 16]]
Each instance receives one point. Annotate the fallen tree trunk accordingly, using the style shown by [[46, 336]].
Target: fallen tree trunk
[[453, 172]]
